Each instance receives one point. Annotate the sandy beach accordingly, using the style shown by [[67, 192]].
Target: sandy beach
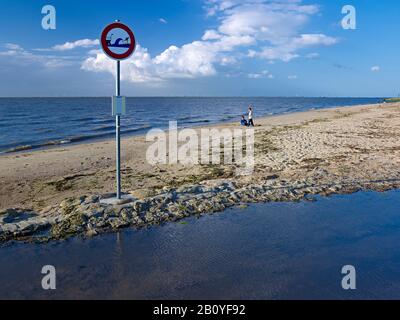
[[340, 150]]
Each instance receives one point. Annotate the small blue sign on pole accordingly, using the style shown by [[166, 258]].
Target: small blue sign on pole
[[118, 106]]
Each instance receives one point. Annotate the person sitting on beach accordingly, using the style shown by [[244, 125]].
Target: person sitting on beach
[[251, 115], [243, 122]]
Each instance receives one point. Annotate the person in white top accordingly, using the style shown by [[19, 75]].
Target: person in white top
[[251, 115]]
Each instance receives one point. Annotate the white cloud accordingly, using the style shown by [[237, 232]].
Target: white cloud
[[261, 75], [273, 25], [214, 6], [293, 77], [274, 54], [288, 49], [211, 35], [83, 43], [196, 59], [309, 40], [270, 30], [376, 69], [13, 47], [163, 21], [254, 76], [16, 54], [136, 69]]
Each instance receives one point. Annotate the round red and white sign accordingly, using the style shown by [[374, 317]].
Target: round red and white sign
[[118, 41]]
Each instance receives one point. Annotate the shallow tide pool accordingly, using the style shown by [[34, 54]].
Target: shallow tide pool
[[267, 251]]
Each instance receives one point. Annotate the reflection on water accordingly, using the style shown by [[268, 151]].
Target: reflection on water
[[268, 251]]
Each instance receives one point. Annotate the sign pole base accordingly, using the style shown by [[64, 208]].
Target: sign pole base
[[112, 200]]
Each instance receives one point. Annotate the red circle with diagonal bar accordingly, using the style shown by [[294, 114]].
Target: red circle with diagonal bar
[[106, 44]]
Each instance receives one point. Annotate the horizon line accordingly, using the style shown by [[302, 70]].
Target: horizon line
[[183, 96]]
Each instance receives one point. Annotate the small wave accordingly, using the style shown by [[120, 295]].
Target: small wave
[[37, 146], [87, 119], [19, 148], [136, 129], [184, 118], [103, 121], [230, 117], [54, 143], [190, 117], [19, 115], [104, 135], [104, 128], [84, 137], [35, 123], [75, 139], [198, 121], [43, 130]]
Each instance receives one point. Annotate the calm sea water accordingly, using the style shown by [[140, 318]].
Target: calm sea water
[[267, 251], [29, 123]]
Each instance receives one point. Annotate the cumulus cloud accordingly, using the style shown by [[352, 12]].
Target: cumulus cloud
[[258, 29], [137, 69], [195, 59], [192, 60]]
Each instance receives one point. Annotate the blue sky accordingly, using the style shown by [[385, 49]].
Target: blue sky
[[203, 48]]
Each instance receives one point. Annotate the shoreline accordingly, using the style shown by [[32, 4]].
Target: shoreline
[[68, 141], [56, 192], [129, 136]]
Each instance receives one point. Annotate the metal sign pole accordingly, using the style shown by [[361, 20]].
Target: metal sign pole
[[118, 50], [118, 132]]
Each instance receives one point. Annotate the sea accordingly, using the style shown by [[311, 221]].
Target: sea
[[35, 123]]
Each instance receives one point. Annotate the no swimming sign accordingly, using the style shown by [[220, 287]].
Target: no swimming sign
[[118, 41]]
